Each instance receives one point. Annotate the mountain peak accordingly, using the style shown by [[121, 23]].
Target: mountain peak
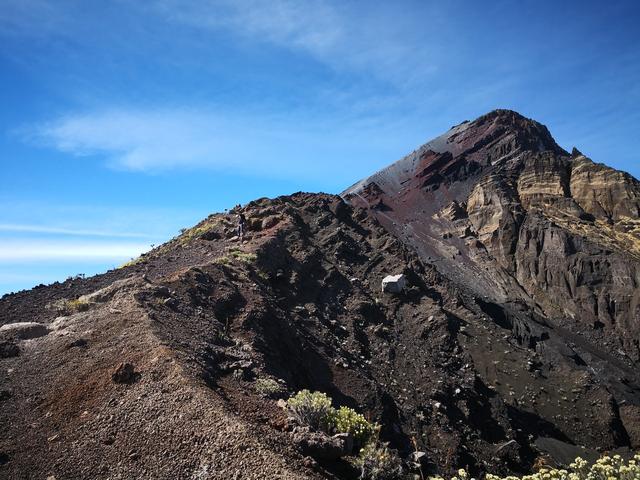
[[465, 150], [529, 134]]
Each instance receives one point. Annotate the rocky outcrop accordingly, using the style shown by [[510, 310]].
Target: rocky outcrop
[[23, 330], [603, 192]]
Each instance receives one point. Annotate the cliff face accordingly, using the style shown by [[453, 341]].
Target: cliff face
[[557, 230], [497, 207], [517, 337]]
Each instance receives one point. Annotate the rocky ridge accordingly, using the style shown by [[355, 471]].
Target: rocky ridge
[[515, 339]]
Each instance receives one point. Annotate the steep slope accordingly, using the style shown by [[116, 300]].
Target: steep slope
[[492, 357], [502, 209], [499, 208]]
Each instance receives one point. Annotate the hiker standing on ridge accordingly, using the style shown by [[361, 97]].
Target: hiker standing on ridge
[[242, 225]]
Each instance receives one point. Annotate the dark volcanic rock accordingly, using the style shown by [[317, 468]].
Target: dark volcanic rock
[[124, 373], [9, 349], [517, 334], [320, 445]]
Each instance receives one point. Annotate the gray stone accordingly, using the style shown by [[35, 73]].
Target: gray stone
[[24, 330], [394, 283]]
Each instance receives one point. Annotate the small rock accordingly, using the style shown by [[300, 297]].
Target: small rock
[[170, 302], [9, 349], [347, 442], [309, 462], [508, 451], [80, 342], [124, 373]]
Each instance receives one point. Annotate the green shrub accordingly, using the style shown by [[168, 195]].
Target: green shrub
[[223, 260], [312, 409], [65, 306], [200, 230], [268, 387], [246, 257], [347, 420], [134, 261], [379, 462]]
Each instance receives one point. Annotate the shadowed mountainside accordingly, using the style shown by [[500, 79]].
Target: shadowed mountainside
[[516, 338]]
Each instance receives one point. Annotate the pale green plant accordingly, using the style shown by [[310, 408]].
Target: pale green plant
[[379, 462], [605, 468], [347, 420], [312, 409], [268, 387]]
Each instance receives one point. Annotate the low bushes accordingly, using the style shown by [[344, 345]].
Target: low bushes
[[376, 461], [606, 468], [379, 462], [65, 306], [312, 409], [347, 420], [268, 387]]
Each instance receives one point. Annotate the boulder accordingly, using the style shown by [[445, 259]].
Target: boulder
[[24, 330], [270, 221], [394, 283]]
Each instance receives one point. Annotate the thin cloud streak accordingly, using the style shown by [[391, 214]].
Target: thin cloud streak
[[10, 227], [31, 251]]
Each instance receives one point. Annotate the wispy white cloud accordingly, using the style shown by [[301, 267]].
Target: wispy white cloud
[[144, 140], [312, 25], [376, 40], [12, 251], [12, 227], [271, 145]]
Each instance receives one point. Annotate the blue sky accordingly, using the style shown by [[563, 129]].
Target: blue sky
[[124, 121]]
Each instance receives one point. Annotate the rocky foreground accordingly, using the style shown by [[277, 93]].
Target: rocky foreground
[[516, 338]]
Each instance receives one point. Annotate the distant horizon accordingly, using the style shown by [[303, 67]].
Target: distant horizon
[[124, 122]]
